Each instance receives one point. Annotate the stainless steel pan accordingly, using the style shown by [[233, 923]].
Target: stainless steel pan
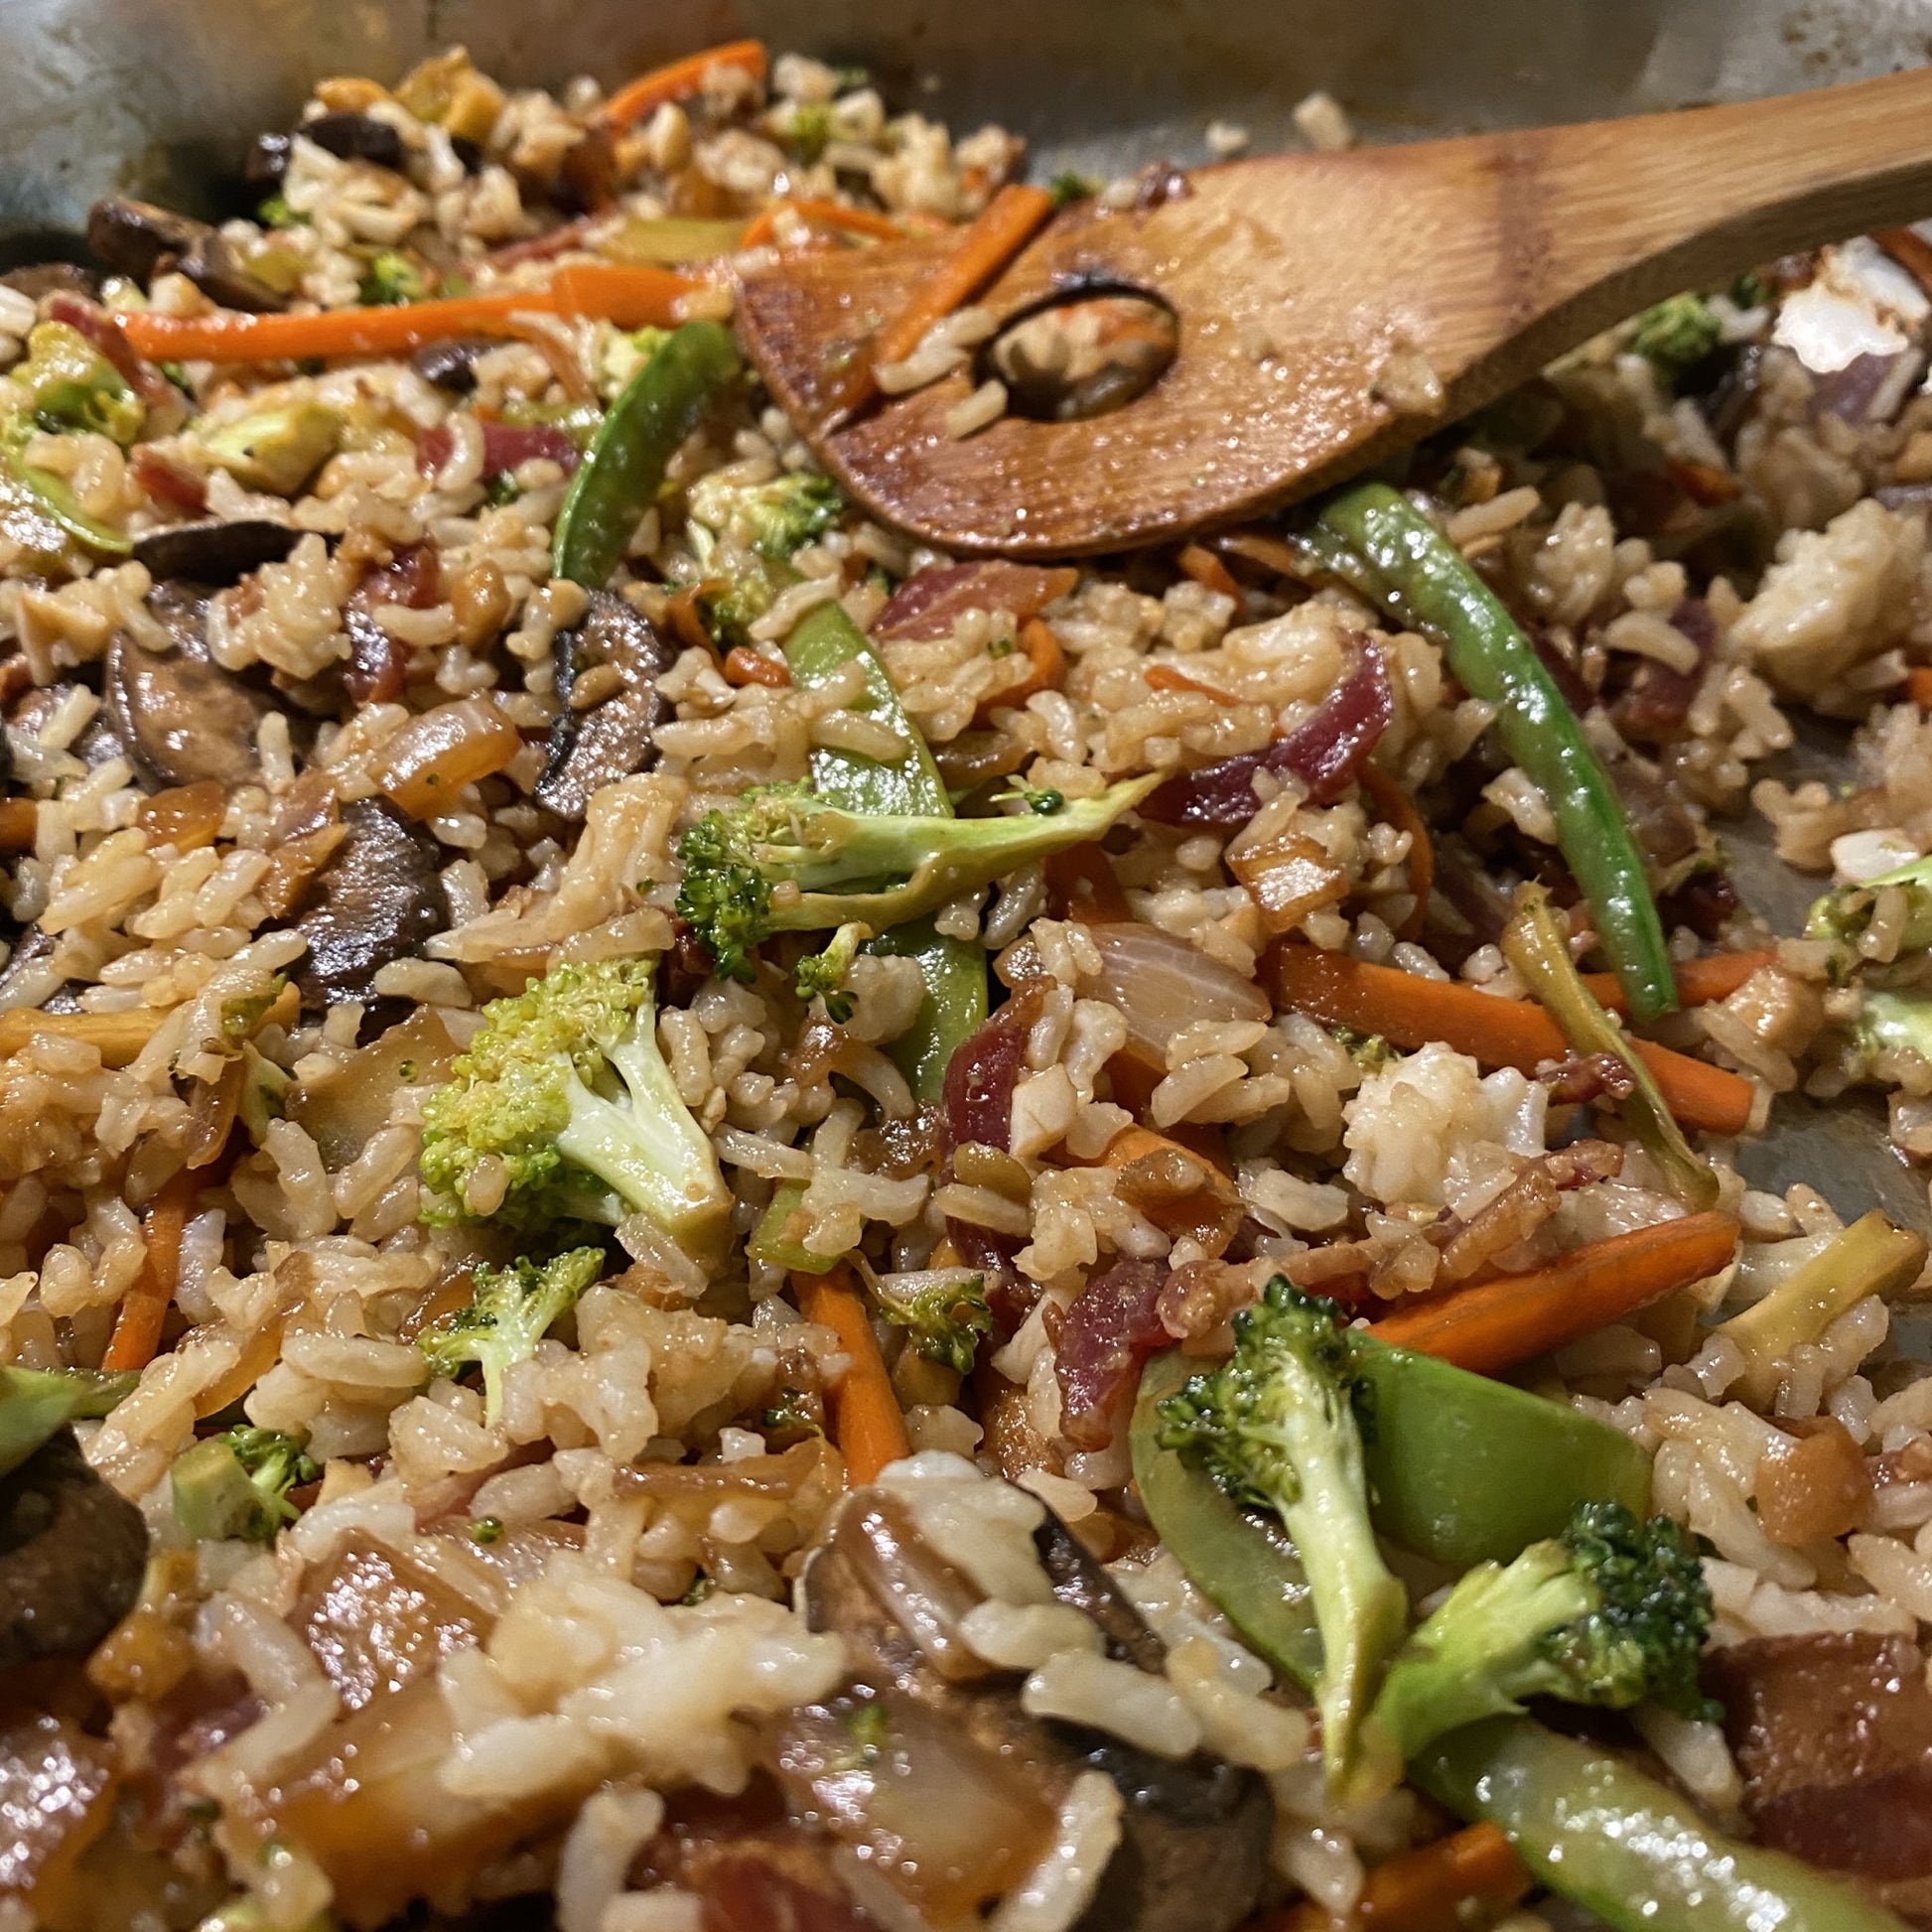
[[162, 95]]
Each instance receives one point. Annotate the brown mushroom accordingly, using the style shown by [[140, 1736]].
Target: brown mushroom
[[215, 553], [614, 735], [347, 136], [178, 713], [72, 1554], [378, 898], [139, 240]]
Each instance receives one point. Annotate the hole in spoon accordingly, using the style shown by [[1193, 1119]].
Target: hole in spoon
[[1082, 352]]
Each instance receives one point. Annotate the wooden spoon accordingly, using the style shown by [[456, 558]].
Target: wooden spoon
[[1318, 294]]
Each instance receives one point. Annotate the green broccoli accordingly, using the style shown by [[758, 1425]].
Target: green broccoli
[[390, 280], [238, 1483], [824, 974], [75, 388], [1068, 187], [782, 860], [773, 518], [1275, 1426], [509, 1312], [1844, 913], [565, 1094], [944, 1315], [1613, 1611], [1675, 336]]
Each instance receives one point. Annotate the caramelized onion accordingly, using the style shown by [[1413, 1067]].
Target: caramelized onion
[[1161, 985], [433, 757]]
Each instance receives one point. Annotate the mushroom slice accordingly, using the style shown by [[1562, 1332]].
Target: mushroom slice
[[593, 745], [181, 716], [139, 240], [379, 899], [214, 552], [72, 1554]]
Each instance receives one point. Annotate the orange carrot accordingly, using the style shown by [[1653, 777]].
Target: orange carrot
[[1271, 553], [1699, 981], [1918, 686], [1208, 570], [1399, 809], [1170, 678], [1470, 1878], [1409, 1011], [686, 624], [629, 296], [745, 666], [866, 1421], [821, 217], [680, 80], [1080, 885], [1047, 666], [1001, 230], [142, 1310], [1496, 1325]]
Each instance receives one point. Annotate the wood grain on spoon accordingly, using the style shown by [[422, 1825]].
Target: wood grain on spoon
[[1318, 295]]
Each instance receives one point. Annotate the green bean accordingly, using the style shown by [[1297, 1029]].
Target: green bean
[[619, 481], [1488, 652]]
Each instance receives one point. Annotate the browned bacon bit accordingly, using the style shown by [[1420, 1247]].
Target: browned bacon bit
[[900, 1148], [378, 664], [1113, 1327], [1579, 1078], [167, 482], [1522, 1207], [1659, 699], [1707, 903], [1200, 1295], [505, 447], [926, 605], [1323, 752], [747, 1893]]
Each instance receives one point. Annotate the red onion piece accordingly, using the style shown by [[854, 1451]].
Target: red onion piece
[[1323, 752], [927, 604], [1113, 1327]]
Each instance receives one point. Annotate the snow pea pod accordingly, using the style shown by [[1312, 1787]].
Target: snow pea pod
[[619, 481], [820, 646], [1603, 1835], [1430, 584]]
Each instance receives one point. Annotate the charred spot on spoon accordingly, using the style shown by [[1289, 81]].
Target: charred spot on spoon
[[1082, 352]]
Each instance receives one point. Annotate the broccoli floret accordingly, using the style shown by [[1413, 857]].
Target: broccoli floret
[[390, 279], [1275, 1426], [943, 1316], [511, 1309], [1675, 336], [773, 518], [824, 974], [1613, 1611], [238, 1483], [1844, 913], [782, 860], [564, 1092], [1068, 187]]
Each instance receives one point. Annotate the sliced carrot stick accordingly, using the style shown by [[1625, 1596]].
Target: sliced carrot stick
[[629, 296], [1208, 570], [1699, 981], [1918, 686], [1001, 230], [1469, 1879], [744, 665], [1399, 809], [866, 1419], [821, 217], [1170, 678], [1409, 1011], [1498, 1324], [1271, 553], [680, 80], [686, 625], [1047, 663], [144, 1309]]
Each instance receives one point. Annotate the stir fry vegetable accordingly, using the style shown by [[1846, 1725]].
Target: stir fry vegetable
[[866, 1421], [619, 481], [238, 1483], [1536, 945], [1424, 574], [680, 79], [511, 1310]]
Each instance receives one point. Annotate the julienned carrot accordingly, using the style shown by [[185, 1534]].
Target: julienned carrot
[[1208, 570], [1399, 809], [1409, 1011], [1170, 678], [1047, 663], [866, 1421], [680, 80], [629, 296], [1498, 1324], [1699, 981], [144, 1309], [1471, 1876], [821, 215], [1918, 686], [996, 234]]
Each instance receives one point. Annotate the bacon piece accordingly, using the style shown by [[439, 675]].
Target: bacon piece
[[379, 666], [1659, 699], [1111, 1330], [927, 604], [506, 444], [1324, 754]]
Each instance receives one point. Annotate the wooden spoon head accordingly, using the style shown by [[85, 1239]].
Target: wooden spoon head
[[1323, 301]]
